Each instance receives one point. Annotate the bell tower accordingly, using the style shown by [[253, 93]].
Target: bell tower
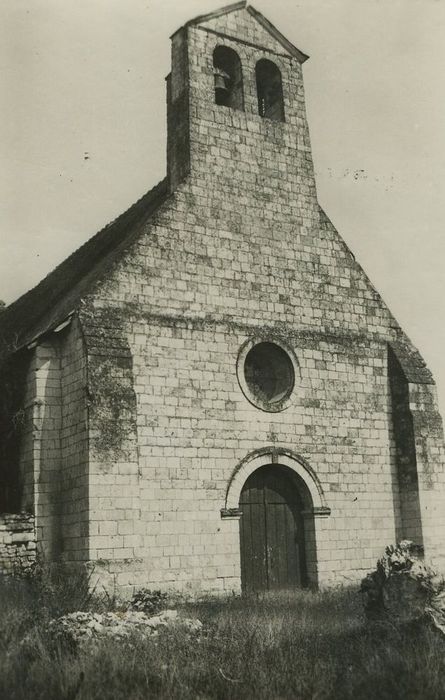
[[236, 111]]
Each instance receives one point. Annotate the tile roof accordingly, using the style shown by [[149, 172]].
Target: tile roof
[[59, 293]]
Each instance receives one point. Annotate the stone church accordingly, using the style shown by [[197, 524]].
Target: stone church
[[210, 395]]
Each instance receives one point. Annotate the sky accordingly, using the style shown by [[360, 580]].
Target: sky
[[83, 133]]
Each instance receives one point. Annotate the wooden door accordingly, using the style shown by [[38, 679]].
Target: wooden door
[[271, 531]]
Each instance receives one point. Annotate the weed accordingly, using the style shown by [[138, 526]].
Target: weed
[[289, 645], [149, 602]]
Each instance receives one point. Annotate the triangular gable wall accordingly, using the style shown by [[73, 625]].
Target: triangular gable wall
[[244, 23]]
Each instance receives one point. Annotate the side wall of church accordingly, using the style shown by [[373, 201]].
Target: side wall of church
[[26, 461], [40, 444], [54, 449], [74, 459]]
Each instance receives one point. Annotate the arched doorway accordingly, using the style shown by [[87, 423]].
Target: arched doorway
[[272, 531]]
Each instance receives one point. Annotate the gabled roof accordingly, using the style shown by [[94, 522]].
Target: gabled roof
[[268, 26], [227, 9], [59, 293]]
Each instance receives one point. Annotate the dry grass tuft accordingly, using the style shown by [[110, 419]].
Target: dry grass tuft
[[297, 645]]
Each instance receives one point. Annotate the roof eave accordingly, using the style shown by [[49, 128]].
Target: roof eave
[[269, 27]]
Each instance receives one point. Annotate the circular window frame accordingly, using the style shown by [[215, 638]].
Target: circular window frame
[[264, 405]]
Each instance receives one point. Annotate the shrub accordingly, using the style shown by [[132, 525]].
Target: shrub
[[404, 587], [149, 602]]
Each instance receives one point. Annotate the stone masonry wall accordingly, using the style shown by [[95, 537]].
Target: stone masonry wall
[[47, 423], [53, 459], [240, 251], [26, 461], [73, 489], [17, 542], [193, 433], [40, 448], [114, 488], [409, 522], [430, 456]]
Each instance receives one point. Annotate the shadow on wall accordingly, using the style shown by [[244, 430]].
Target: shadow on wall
[[405, 477], [13, 374]]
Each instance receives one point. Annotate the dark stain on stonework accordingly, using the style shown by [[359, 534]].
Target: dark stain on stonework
[[112, 399], [112, 409], [427, 467]]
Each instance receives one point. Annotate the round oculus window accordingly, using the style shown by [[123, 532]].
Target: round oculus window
[[269, 374]]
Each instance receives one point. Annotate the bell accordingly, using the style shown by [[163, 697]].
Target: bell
[[221, 80]]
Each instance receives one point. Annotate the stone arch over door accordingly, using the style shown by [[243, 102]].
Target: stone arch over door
[[279, 485]]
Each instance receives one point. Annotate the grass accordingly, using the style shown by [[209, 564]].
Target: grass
[[300, 645]]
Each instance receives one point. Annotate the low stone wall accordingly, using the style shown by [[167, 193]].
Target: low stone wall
[[17, 541]]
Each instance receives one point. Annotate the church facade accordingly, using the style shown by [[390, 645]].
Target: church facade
[[210, 394]]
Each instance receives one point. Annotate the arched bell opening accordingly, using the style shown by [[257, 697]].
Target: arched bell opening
[[228, 78], [277, 536], [269, 90]]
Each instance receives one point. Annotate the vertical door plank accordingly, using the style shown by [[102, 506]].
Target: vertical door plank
[[271, 531], [253, 537]]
